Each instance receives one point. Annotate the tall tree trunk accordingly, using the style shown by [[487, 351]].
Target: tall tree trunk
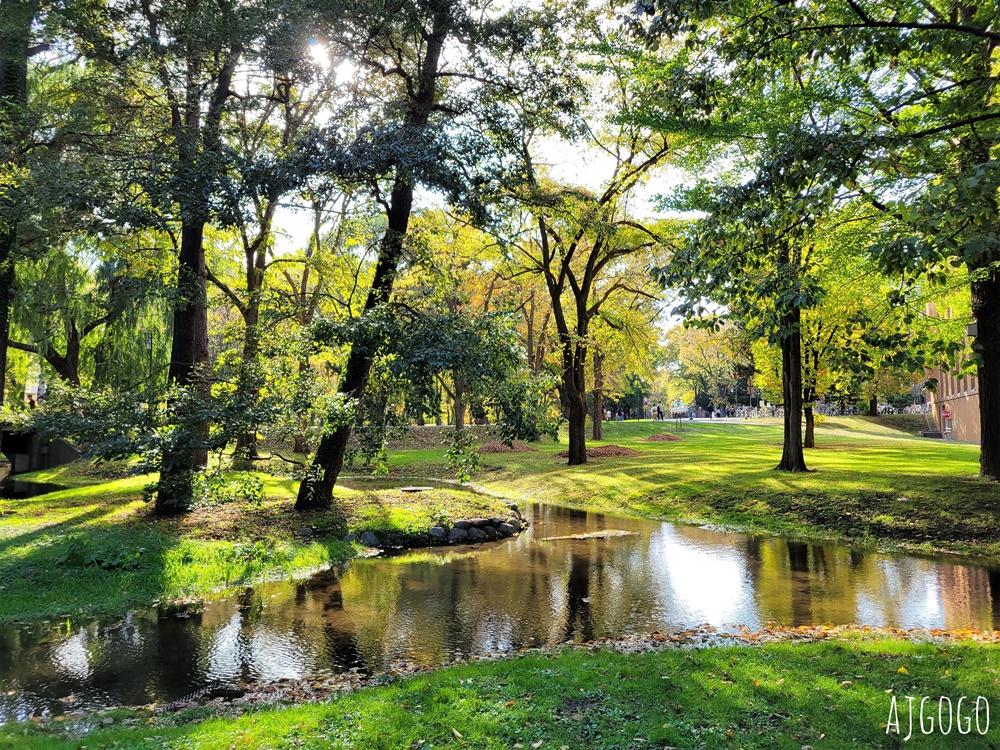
[[460, 386], [873, 405], [810, 438], [792, 458], [249, 382], [8, 240], [986, 311], [15, 39], [808, 398], [188, 358], [574, 359], [598, 431], [316, 489], [577, 428], [250, 377]]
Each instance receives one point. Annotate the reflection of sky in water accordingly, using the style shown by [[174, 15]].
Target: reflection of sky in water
[[700, 583], [224, 657], [930, 614], [505, 596], [279, 653], [903, 592], [71, 657]]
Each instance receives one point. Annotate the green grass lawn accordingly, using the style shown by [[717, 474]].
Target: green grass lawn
[[784, 696], [870, 483], [96, 550]]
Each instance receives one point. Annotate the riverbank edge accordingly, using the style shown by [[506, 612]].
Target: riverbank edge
[[312, 542], [816, 669]]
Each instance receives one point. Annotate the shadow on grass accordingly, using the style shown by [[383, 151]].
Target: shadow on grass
[[77, 566]]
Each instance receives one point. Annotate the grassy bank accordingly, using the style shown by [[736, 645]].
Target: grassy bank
[[871, 482], [828, 694], [96, 550]]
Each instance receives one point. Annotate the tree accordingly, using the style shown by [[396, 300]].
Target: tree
[[174, 65], [624, 335], [576, 239], [754, 254], [705, 361], [46, 101], [64, 303], [264, 133]]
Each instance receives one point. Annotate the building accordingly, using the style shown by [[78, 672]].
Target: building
[[960, 397]]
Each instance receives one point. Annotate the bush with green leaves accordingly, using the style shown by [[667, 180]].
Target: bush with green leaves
[[82, 552], [461, 456], [217, 487]]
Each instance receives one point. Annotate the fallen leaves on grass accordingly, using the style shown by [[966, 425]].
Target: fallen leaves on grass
[[498, 446], [663, 437], [604, 451]]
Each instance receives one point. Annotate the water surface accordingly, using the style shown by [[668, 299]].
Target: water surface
[[434, 606]]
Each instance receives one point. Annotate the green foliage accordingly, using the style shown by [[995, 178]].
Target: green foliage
[[217, 487], [461, 456], [411, 348], [81, 551]]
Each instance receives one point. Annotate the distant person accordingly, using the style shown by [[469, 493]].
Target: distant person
[[31, 402], [659, 412]]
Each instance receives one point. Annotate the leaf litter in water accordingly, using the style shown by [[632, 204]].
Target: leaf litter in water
[[606, 534]]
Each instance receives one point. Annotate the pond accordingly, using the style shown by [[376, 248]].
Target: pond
[[433, 606]]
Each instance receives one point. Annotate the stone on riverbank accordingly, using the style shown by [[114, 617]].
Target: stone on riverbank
[[458, 534], [370, 540]]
